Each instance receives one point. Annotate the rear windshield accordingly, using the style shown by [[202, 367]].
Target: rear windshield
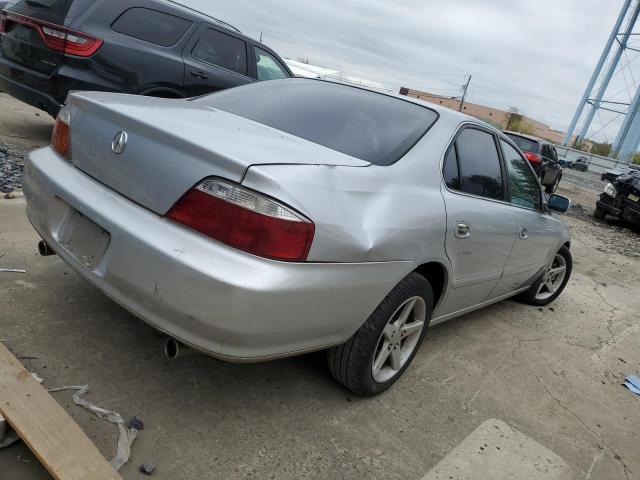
[[50, 10], [525, 144], [60, 7], [373, 127]]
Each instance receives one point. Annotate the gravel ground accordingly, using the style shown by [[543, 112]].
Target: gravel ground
[[11, 165]]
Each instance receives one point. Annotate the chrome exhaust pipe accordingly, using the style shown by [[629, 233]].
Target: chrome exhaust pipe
[[44, 249], [174, 349]]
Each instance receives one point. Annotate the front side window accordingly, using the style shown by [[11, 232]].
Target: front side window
[[525, 191], [478, 163], [223, 50], [268, 67]]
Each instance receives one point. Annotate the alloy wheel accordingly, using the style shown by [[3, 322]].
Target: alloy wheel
[[553, 278], [399, 339]]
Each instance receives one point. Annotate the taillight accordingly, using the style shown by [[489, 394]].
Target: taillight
[[59, 38], [533, 157], [245, 220], [61, 138]]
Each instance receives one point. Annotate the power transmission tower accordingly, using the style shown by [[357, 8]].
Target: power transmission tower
[[592, 100]]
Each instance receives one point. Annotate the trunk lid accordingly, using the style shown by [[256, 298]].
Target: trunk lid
[[22, 43], [173, 144]]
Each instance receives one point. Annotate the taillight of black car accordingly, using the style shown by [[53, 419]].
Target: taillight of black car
[[246, 220], [55, 37], [533, 158]]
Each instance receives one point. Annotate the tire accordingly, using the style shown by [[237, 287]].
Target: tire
[[553, 187], [534, 296], [599, 213], [352, 363]]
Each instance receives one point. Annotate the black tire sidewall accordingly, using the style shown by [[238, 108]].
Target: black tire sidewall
[[529, 297], [369, 335], [599, 214]]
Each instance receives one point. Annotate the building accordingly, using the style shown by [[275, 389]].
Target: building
[[498, 118]]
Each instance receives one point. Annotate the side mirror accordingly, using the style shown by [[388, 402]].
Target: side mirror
[[558, 203]]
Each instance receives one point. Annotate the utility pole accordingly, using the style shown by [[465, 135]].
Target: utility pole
[[260, 37], [464, 95]]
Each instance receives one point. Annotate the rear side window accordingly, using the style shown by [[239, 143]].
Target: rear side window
[[478, 165], [223, 50], [373, 127], [525, 144], [151, 26]]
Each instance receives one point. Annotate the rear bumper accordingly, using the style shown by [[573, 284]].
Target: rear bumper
[[229, 304], [29, 95], [620, 207]]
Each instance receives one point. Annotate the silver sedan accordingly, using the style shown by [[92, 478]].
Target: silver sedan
[[290, 216]]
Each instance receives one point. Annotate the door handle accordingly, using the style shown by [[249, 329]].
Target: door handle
[[200, 75], [463, 230], [524, 233]]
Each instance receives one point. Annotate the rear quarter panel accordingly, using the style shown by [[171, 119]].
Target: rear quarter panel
[[368, 214]]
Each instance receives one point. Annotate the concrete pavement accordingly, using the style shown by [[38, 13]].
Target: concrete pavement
[[553, 374]]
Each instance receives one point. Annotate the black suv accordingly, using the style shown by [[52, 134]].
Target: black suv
[[542, 156], [146, 47]]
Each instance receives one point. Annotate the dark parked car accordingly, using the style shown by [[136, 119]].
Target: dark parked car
[[581, 164], [621, 198], [612, 175], [146, 47], [542, 156]]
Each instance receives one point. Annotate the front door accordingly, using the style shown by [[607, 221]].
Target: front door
[[536, 230], [481, 226]]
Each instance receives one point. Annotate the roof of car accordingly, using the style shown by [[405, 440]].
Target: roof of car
[[524, 135], [197, 11]]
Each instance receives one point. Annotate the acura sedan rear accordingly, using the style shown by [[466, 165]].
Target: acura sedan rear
[[291, 216]]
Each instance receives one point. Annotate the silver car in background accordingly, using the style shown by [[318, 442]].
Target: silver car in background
[[298, 215]]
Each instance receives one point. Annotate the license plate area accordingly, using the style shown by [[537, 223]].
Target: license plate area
[[634, 198], [84, 239]]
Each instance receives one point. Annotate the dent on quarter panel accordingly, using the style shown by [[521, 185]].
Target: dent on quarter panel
[[359, 213]]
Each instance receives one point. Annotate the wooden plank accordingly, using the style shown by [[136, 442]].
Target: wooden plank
[[51, 434]]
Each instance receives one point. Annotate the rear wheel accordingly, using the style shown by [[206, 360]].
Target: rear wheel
[[552, 283], [383, 348]]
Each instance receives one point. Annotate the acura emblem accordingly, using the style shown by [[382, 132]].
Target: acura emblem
[[119, 142]]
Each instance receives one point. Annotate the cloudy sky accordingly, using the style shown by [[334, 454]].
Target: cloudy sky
[[536, 56]]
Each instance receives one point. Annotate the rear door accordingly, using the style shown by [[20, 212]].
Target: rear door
[[481, 225], [216, 59], [22, 41]]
